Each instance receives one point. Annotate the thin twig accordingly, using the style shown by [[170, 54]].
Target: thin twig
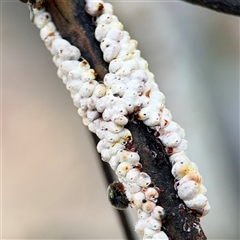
[[225, 6], [122, 216]]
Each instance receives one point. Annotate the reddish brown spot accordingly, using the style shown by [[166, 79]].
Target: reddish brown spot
[[165, 122], [128, 145], [169, 150], [148, 93], [156, 134], [200, 236], [137, 109], [100, 7], [120, 186], [129, 138], [84, 62], [138, 166], [182, 207]]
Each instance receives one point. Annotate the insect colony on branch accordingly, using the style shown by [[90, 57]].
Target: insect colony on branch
[[104, 108]]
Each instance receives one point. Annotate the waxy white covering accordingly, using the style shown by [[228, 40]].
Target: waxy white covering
[[128, 87]]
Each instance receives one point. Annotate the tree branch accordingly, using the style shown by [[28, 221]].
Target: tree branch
[[224, 6], [78, 28], [181, 222]]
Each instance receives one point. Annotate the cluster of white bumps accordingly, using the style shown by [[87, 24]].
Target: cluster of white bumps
[[127, 88]]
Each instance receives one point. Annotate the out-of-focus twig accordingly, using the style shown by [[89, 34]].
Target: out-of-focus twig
[[225, 6]]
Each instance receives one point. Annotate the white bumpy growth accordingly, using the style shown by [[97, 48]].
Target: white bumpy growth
[[103, 107]]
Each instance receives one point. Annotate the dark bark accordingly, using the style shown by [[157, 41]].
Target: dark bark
[[77, 27], [180, 222], [224, 6]]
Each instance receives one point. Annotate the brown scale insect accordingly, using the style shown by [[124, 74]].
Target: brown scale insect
[[117, 196]]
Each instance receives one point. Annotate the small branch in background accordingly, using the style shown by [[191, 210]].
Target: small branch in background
[[225, 6]]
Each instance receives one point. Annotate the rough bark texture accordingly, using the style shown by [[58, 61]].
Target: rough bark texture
[[78, 28], [225, 6], [180, 222]]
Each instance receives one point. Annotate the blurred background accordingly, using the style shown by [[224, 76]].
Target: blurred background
[[52, 183]]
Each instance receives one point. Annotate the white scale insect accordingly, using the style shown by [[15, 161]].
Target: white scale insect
[[104, 112]]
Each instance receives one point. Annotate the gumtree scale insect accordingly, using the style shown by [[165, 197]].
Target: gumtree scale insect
[[128, 88]]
